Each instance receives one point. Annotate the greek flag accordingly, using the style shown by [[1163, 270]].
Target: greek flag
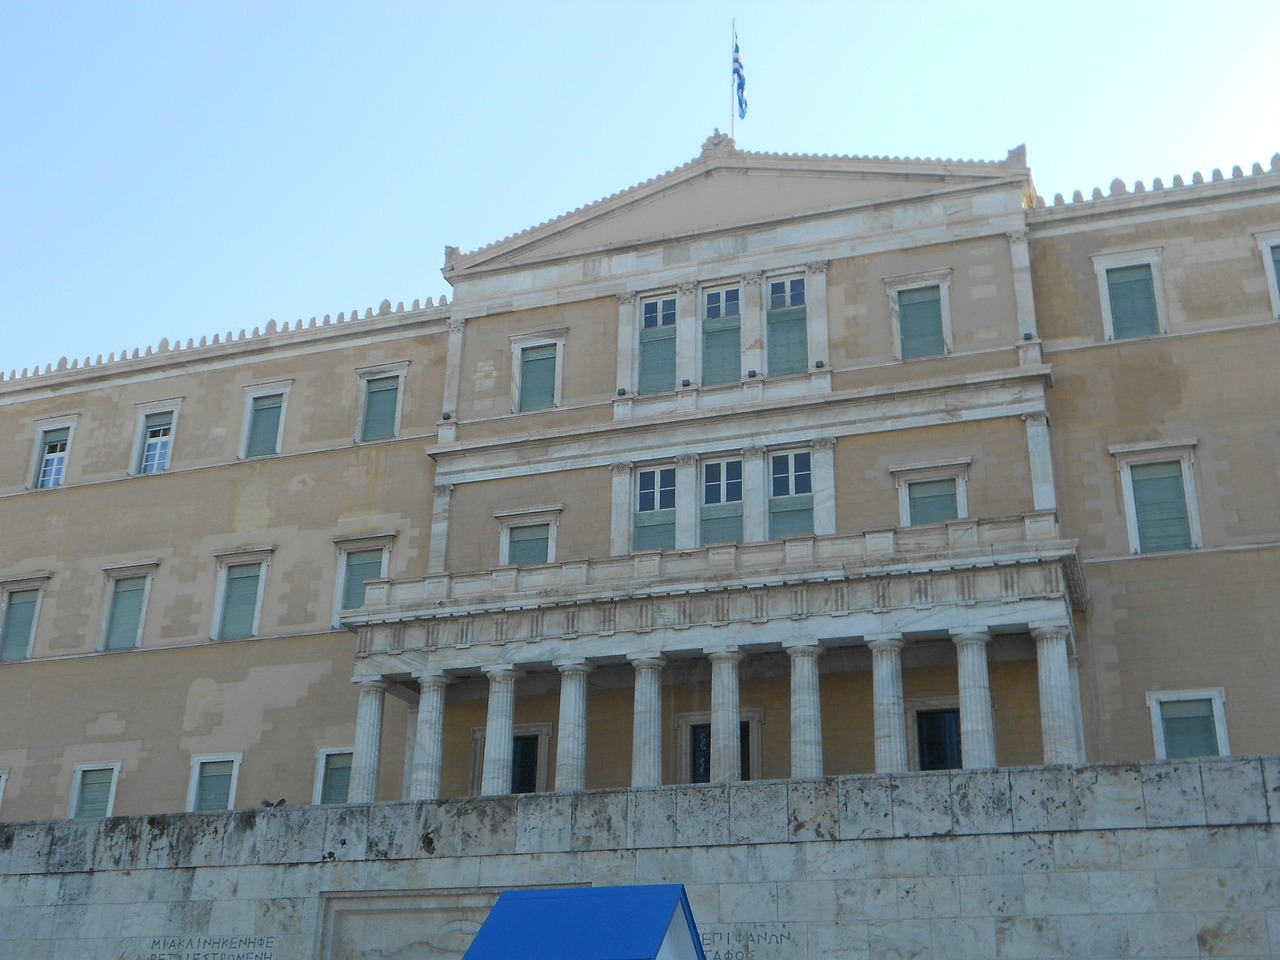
[[739, 79]]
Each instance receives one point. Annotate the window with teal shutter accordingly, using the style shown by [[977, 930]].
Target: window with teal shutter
[[790, 495], [336, 778], [721, 337], [381, 395], [264, 426], [94, 796], [722, 502], [538, 377], [157, 431], [529, 545], [19, 624], [655, 519], [920, 322], [240, 601], [1275, 261], [1133, 301], [125, 621], [932, 501], [361, 565], [213, 785], [1160, 505], [657, 367], [1189, 729], [786, 327]]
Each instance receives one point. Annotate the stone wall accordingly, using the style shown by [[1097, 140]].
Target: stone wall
[[1149, 860]]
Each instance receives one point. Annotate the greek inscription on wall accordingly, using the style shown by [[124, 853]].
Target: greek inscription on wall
[[752, 941], [208, 947]]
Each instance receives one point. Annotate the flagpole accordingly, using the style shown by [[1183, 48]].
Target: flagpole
[[733, 83]]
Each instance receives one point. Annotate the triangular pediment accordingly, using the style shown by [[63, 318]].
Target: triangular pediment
[[725, 189]]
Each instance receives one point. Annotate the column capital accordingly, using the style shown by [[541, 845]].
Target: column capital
[[573, 665], [816, 266], [432, 678], [1049, 631], [442, 489], [752, 278], [371, 683], [823, 443], [687, 288], [626, 297], [753, 453], [962, 637], [724, 654], [500, 671], [645, 662], [1037, 417], [801, 648], [686, 460], [885, 641], [620, 469]]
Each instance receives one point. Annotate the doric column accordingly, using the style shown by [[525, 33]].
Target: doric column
[[687, 327], [627, 335], [1043, 494], [687, 501], [977, 725], [499, 730], [1057, 713], [755, 496], [1073, 665], [890, 713], [368, 745], [806, 712], [457, 324], [646, 723], [726, 739], [752, 323], [441, 496], [428, 751], [571, 740], [823, 464], [1023, 297], [815, 296], [620, 513], [410, 748]]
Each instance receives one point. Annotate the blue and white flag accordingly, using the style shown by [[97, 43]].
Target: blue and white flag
[[739, 79]]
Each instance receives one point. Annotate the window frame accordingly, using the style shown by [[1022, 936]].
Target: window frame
[[77, 775], [908, 473], [114, 574], [704, 292], [44, 427], [543, 732], [366, 376], [788, 277], [795, 498], [137, 455], [1269, 241], [257, 392], [38, 583], [1129, 455], [637, 512], [658, 298], [533, 516], [897, 285], [1215, 695], [193, 783], [359, 543], [322, 760], [1147, 256], [240, 558], [685, 722], [526, 341], [724, 504]]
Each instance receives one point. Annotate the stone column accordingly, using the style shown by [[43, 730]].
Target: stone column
[[726, 740], [646, 723], [499, 730], [1023, 296], [977, 725], [368, 745], [627, 337], [1073, 664], [410, 748], [890, 713], [1043, 494], [428, 751], [752, 322], [571, 740], [687, 501], [1057, 713], [806, 712], [687, 327], [441, 497], [620, 510], [755, 495], [815, 296], [457, 324], [823, 465]]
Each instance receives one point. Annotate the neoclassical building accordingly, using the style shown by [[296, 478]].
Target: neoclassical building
[[772, 467]]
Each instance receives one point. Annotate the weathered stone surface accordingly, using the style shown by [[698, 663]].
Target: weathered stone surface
[[981, 802], [921, 804], [651, 818], [866, 808], [599, 821], [1042, 798], [1173, 794], [813, 810], [1234, 790], [544, 822], [758, 812], [1108, 797], [702, 815]]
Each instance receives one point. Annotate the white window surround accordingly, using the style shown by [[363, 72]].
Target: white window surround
[[37, 582], [233, 558], [544, 338], [126, 571], [251, 393], [548, 513], [382, 540], [1102, 262], [914, 281], [171, 406], [193, 783], [543, 733], [1215, 695], [398, 369], [1267, 240], [1129, 455], [908, 473], [37, 454], [753, 716], [322, 756], [76, 776]]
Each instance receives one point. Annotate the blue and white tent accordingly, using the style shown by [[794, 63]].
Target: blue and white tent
[[590, 923]]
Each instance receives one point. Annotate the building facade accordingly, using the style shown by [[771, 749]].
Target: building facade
[[770, 468]]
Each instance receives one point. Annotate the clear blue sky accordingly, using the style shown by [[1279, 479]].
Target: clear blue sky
[[179, 169]]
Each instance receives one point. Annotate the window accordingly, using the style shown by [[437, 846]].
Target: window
[[154, 441], [357, 567], [51, 463], [920, 306], [93, 791], [381, 403], [1131, 289], [657, 371], [333, 775], [693, 744], [1189, 723], [240, 583], [213, 782], [264, 419], [126, 606], [18, 623], [932, 492], [1269, 247], [1159, 495], [536, 370], [655, 520], [529, 534], [530, 747], [722, 502], [790, 495], [786, 328], [938, 739], [529, 545], [721, 337]]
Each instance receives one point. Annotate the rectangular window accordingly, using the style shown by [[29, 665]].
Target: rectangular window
[[124, 618], [530, 749], [790, 495], [359, 566], [264, 425], [524, 763], [335, 776], [1189, 723], [51, 467], [537, 377], [655, 521], [786, 327], [722, 502], [157, 434], [381, 401], [700, 751], [721, 337], [938, 739], [530, 545], [213, 783], [657, 373], [1160, 506], [241, 596], [932, 501], [1132, 297], [94, 790], [19, 624], [920, 319]]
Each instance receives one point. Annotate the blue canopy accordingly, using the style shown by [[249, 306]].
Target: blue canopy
[[590, 923]]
